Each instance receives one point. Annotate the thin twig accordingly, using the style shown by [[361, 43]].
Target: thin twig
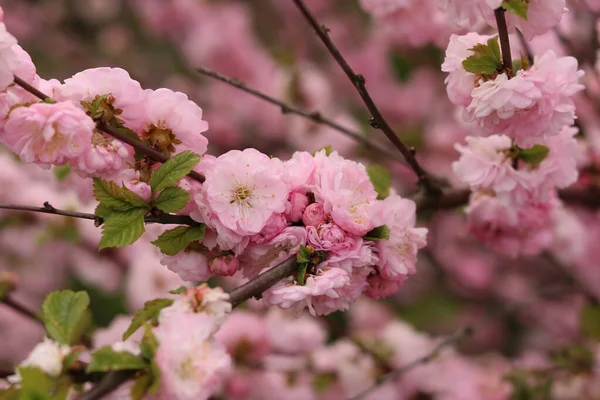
[[526, 47], [108, 384], [139, 146], [166, 219], [504, 41], [378, 121], [449, 341], [287, 108], [21, 309]]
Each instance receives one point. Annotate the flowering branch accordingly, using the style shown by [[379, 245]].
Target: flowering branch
[[449, 341], [504, 42], [378, 121], [139, 146], [286, 108], [166, 219]]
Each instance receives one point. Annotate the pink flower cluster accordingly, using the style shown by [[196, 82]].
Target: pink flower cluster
[[259, 211]]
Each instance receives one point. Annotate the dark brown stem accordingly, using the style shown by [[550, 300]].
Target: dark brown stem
[[139, 146], [21, 309], [286, 108], [378, 121], [264, 281], [504, 42], [108, 384], [526, 47], [166, 219]]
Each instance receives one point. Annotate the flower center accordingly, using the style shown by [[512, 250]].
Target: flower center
[[242, 195], [161, 138]]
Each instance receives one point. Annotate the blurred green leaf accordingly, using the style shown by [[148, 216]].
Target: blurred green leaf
[[106, 359], [64, 312]]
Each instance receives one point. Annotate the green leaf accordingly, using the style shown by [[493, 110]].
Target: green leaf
[[533, 155], [111, 196], [487, 59], [72, 357], [517, 7], [590, 321], [381, 180], [64, 311], [62, 172], [149, 344], [303, 255], [172, 199], [379, 233], [151, 310], [173, 170], [328, 150], [141, 386], [301, 274], [11, 393], [400, 65], [173, 241], [36, 385], [106, 359], [179, 290], [121, 230], [323, 381]]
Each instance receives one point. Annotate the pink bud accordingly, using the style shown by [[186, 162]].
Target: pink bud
[[296, 206], [314, 215], [224, 265]]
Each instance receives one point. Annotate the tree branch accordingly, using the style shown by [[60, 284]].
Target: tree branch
[[449, 341], [109, 130], [504, 42], [109, 383], [166, 219], [378, 121], [286, 108], [21, 309]]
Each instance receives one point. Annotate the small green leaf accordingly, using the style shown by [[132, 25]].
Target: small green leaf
[[173, 241], [379, 233], [381, 180], [179, 290], [328, 150], [303, 255], [487, 58], [64, 311], [141, 386], [106, 359], [36, 385], [62, 172], [173, 170], [149, 344], [533, 155], [113, 198], [517, 7], [172, 199], [301, 274], [121, 230], [151, 310], [590, 321]]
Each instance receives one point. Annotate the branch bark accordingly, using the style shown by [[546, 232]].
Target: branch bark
[[504, 41]]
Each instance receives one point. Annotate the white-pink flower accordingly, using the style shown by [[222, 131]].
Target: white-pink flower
[[484, 163], [48, 133], [542, 15], [174, 123], [8, 59], [191, 266], [245, 336], [244, 189]]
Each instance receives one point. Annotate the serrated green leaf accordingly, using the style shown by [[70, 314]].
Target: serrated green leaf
[[173, 170], [106, 359], [64, 311], [121, 230], [173, 241], [517, 7], [590, 321], [381, 180], [179, 290], [481, 65], [117, 198], [61, 172], [151, 310], [172, 199], [493, 49], [379, 233], [533, 155]]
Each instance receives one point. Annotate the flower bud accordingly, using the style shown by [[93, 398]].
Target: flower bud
[[314, 215], [224, 265], [296, 206]]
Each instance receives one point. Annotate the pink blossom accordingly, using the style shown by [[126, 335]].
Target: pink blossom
[[245, 336], [398, 254], [379, 287], [292, 334], [467, 13], [191, 266], [127, 98], [542, 15], [295, 207], [300, 170], [244, 189], [331, 238], [103, 158], [48, 133], [346, 192], [485, 163], [318, 292], [272, 228], [560, 165], [8, 59], [314, 215], [174, 123], [192, 365], [224, 265]]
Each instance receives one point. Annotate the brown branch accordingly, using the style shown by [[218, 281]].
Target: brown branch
[[21, 309], [166, 219], [427, 358], [286, 108], [139, 146], [377, 120], [526, 47], [504, 42], [109, 383]]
